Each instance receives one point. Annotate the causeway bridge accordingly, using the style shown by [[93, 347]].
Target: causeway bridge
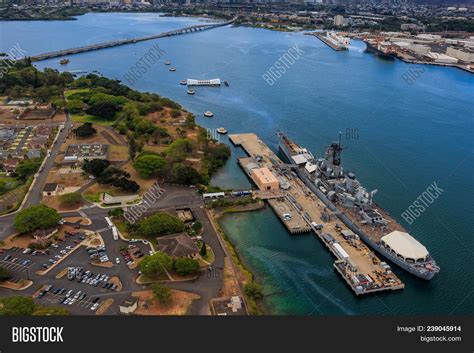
[[115, 43]]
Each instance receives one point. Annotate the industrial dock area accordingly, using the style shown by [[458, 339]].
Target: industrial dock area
[[421, 49], [301, 211]]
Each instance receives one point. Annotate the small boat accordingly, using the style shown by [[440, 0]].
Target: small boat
[[167, 62], [208, 114], [222, 131], [191, 91], [183, 82], [172, 69], [226, 83], [64, 61]]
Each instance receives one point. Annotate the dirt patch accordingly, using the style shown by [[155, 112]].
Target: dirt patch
[[55, 202], [61, 273], [145, 184], [20, 285], [67, 180], [37, 292], [20, 240], [116, 281], [179, 305], [117, 153], [80, 220], [104, 306], [231, 286], [107, 264]]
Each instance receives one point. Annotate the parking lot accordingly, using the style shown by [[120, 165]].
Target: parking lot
[[68, 297], [20, 260]]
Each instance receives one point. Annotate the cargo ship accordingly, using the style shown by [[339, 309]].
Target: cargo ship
[[378, 49], [352, 204]]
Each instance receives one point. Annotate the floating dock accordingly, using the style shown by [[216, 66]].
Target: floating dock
[[301, 211]]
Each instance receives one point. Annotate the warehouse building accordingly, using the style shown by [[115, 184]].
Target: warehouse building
[[265, 179]]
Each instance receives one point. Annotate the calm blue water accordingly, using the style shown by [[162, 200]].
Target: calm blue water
[[408, 137]]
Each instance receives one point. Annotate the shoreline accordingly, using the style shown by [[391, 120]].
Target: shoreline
[[217, 218]]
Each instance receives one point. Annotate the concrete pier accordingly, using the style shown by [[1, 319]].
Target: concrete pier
[[301, 211]]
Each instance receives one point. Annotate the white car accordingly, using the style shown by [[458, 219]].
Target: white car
[[117, 260], [95, 306], [151, 252]]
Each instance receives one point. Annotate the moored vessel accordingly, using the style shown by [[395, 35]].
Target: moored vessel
[[378, 49], [183, 82], [346, 199], [64, 61], [191, 91], [221, 130]]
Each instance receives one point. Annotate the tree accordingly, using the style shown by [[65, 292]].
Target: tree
[[156, 264], [104, 105], [17, 305], [75, 106], [190, 122], [186, 266], [95, 166], [111, 174], [187, 175], [27, 167], [116, 212], [203, 251], [160, 224], [70, 199], [180, 149], [215, 157], [253, 290], [132, 148], [126, 185], [4, 274], [150, 165], [175, 113], [36, 217], [85, 130], [161, 294]]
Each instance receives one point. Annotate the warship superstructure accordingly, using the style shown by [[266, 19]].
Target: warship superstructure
[[346, 198]]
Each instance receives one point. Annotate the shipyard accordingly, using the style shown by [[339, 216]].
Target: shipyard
[[301, 211]]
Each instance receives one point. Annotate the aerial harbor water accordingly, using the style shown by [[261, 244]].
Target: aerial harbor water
[[399, 138]]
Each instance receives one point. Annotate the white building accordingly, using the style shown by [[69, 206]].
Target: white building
[[441, 58], [419, 49], [339, 21], [461, 54]]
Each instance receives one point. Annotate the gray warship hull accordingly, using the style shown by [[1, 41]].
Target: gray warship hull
[[414, 270]]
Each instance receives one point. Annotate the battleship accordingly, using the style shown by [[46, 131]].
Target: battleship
[[353, 205]]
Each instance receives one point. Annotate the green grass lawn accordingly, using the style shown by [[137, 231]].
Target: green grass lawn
[[77, 90], [7, 184], [92, 197], [85, 118]]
